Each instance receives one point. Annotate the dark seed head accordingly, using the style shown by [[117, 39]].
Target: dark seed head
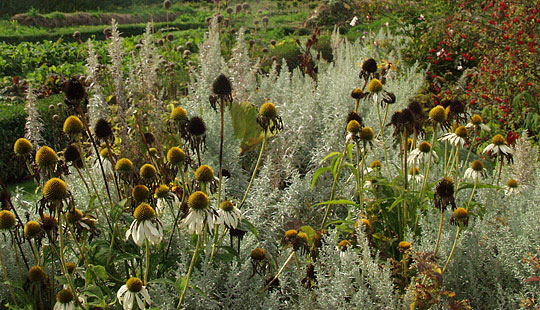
[[355, 116], [71, 153], [196, 126], [370, 65], [102, 129], [74, 90], [222, 86]]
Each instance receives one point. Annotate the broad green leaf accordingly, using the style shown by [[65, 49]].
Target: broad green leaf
[[246, 128], [337, 202], [318, 173]]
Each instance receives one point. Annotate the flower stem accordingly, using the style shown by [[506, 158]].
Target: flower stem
[[281, 269], [189, 271], [147, 260], [334, 185], [254, 171], [453, 249]]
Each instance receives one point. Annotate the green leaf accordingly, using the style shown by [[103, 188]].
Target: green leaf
[[180, 284], [329, 156], [471, 185], [317, 174], [245, 126], [247, 226]]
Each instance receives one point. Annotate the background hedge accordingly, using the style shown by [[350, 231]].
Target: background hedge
[[22, 6]]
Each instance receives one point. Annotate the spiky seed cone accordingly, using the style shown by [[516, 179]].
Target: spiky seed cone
[[303, 236], [375, 164], [375, 86], [176, 156], [476, 119], [370, 65], [22, 147], [437, 114], [73, 125], [71, 153], [355, 116], [204, 174], [46, 157], [462, 132], [258, 254], [498, 140], [74, 216], [268, 110], [445, 188], [55, 190], [179, 114], [124, 165], [357, 93], [32, 229], [226, 206], [424, 147], [198, 200], [477, 165], [354, 127], [48, 222], [74, 90], [196, 126], [461, 213], [134, 285], [291, 234], [70, 267], [64, 296], [36, 274], [148, 172], [7, 220], [140, 193], [366, 134], [144, 212], [511, 183], [162, 191], [102, 129], [222, 86]]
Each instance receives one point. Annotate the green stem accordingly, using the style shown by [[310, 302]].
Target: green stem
[[334, 185], [147, 261], [280, 270], [254, 171], [189, 272], [453, 249]]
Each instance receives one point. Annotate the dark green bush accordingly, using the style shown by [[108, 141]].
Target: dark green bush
[[288, 50], [12, 122]]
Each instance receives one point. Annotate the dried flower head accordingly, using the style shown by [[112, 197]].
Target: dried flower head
[[74, 91], [369, 65], [196, 126], [444, 194], [167, 4], [357, 94], [268, 118], [55, 190], [355, 116], [460, 217], [48, 223], [74, 216], [71, 153], [223, 88], [22, 147], [103, 129], [46, 157], [258, 254]]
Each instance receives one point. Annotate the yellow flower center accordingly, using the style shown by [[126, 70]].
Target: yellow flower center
[[144, 212], [7, 220], [204, 174], [162, 191], [140, 193], [32, 229], [424, 147], [179, 114], [375, 164], [258, 254], [461, 213], [512, 183], [64, 296], [437, 114], [22, 147], [462, 132], [268, 110], [476, 120], [366, 134], [175, 155], [354, 127], [124, 165], [291, 234], [73, 125], [134, 285], [498, 140], [74, 216], [46, 157], [148, 172], [375, 86], [198, 201], [36, 274], [303, 236], [477, 165], [404, 245], [343, 244], [226, 206]]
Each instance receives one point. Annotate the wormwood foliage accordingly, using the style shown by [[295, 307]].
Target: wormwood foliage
[[168, 208]]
